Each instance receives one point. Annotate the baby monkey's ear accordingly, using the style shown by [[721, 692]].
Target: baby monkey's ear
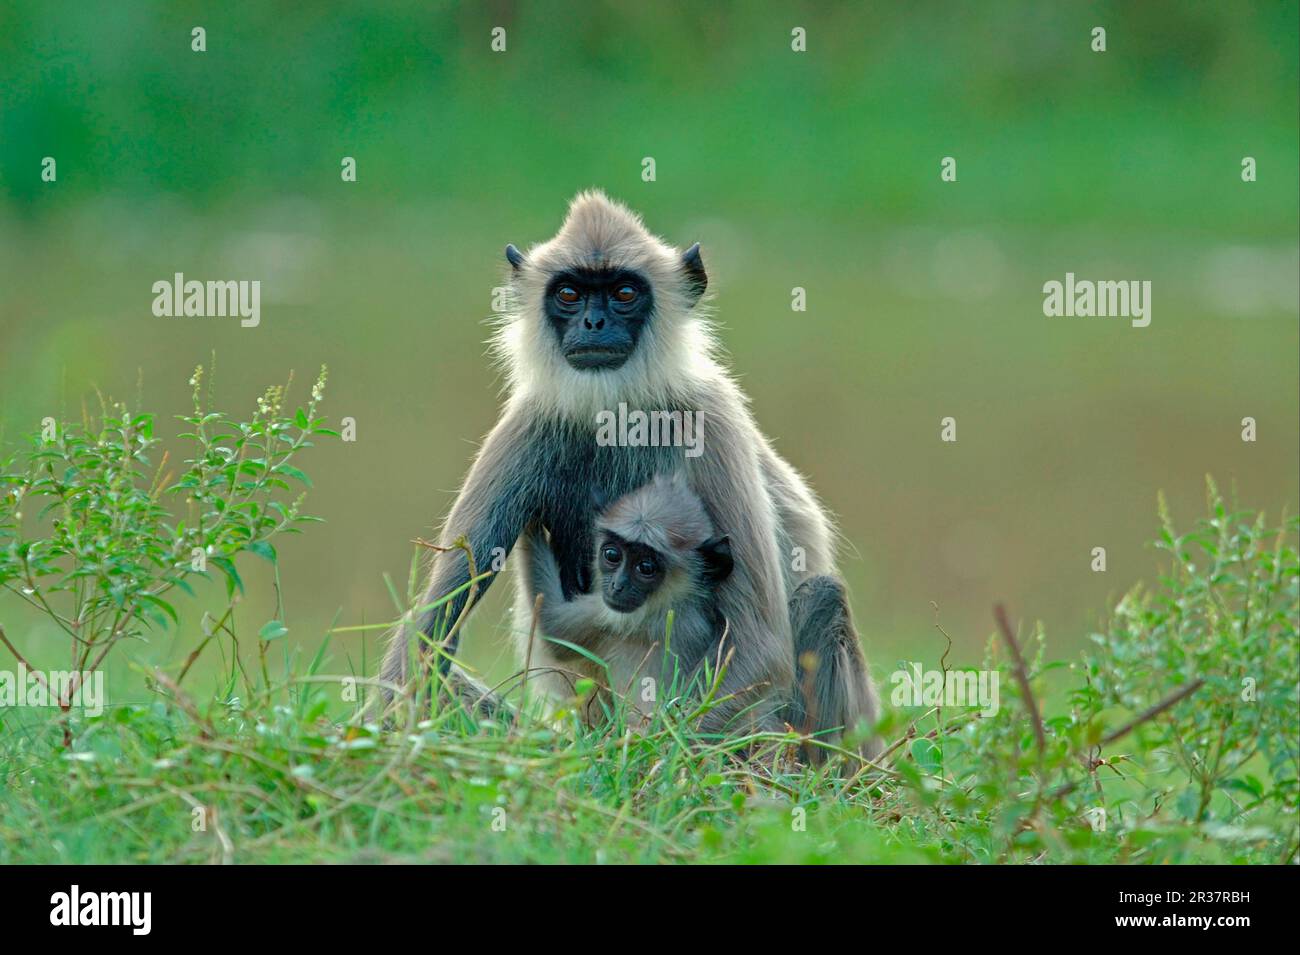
[[717, 558], [599, 499]]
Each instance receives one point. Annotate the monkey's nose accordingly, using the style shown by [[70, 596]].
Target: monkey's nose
[[597, 326]]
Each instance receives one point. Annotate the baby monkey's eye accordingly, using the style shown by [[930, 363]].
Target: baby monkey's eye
[[625, 294], [646, 567], [612, 555], [567, 294]]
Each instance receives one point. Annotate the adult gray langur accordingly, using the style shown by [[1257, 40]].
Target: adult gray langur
[[605, 314]]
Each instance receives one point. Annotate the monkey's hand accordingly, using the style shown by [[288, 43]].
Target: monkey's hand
[[580, 585], [575, 579], [573, 549]]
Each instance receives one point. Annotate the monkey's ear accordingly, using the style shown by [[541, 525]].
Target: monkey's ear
[[717, 559], [697, 280], [599, 499], [514, 257]]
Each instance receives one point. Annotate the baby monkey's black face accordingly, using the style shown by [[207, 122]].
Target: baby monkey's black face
[[598, 315], [629, 573]]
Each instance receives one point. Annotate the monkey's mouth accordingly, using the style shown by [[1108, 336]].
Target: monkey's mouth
[[621, 606], [596, 359]]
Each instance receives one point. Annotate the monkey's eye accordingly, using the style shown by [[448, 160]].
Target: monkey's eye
[[646, 567], [567, 294], [612, 555], [625, 294]]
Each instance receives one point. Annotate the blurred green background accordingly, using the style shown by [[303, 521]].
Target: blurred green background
[[816, 169]]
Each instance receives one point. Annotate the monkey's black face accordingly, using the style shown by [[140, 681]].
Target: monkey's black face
[[629, 573], [598, 315]]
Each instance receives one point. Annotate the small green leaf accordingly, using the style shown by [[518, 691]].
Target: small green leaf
[[272, 630], [233, 580], [582, 651], [262, 549], [162, 605], [927, 754], [292, 472]]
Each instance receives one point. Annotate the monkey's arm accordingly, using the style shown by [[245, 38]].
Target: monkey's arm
[[570, 507], [573, 620], [491, 510]]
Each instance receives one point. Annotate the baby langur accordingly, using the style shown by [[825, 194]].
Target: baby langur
[[656, 551]]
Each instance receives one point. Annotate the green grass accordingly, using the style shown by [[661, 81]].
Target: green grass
[[1179, 722]]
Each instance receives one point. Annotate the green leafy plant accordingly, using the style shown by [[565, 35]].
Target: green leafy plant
[[1173, 738], [1226, 615], [96, 536]]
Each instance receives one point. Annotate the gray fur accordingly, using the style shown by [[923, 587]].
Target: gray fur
[[662, 514], [833, 688]]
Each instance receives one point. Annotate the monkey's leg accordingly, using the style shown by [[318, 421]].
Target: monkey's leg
[[833, 690]]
